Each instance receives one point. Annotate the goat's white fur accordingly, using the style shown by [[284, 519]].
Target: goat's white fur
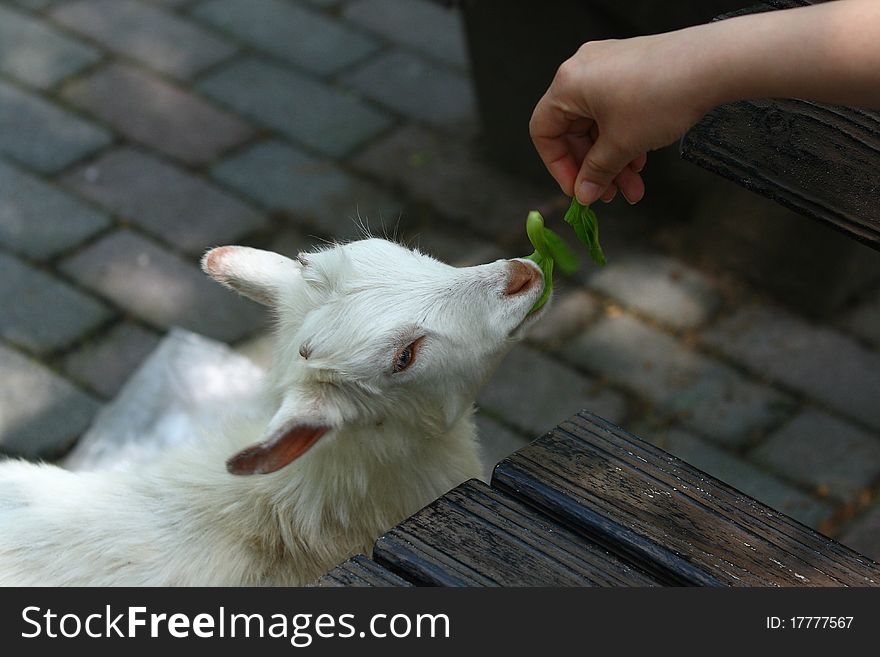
[[394, 441]]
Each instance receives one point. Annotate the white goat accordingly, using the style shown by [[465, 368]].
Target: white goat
[[381, 351]]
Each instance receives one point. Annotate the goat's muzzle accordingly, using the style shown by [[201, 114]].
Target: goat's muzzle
[[520, 277]]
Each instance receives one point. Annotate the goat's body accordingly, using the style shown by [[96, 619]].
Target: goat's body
[[366, 418], [286, 528]]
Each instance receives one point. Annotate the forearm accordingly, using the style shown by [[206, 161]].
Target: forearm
[[828, 52], [615, 100]]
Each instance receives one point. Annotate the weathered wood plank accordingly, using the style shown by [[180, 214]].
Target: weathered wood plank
[[476, 536], [674, 521], [768, 5], [820, 160], [360, 571]]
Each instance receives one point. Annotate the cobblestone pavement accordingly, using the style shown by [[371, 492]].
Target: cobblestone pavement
[[136, 133]]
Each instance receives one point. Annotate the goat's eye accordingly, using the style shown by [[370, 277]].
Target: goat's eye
[[405, 356]]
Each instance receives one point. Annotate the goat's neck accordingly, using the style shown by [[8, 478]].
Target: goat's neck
[[382, 472], [357, 481]]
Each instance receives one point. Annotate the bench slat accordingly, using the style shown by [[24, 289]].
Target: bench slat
[[476, 536], [360, 571], [674, 521]]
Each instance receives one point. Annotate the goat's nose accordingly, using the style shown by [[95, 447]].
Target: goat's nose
[[520, 277]]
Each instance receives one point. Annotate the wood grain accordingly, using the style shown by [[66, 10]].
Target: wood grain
[[675, 522], [360, 571], [476, 536]]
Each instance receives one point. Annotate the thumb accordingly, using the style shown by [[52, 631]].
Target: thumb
[[601, 165]]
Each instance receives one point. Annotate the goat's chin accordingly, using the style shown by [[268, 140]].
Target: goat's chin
[[519, 331]]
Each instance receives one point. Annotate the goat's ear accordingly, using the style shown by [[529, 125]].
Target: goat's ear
[[276, 451], [290, 434], [258, 275]]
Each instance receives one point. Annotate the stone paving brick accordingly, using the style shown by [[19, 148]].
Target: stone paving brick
[[662, 288], [453, 246], [39, 220], [300, 36], [105, 364], [174, 205], [814, 360], [41, 135], [823, 452], [155, 37], [448, 174], [307, 111], [162, 289], [864, 535], [153, 112], [36, 54], [291, 241], [34, 4], [172, 4], [416, 88], [419, 24], [864, 320], [324, 4], [496, 442], [709, 396], [535, 393], [40, 312], [742, 475], [566, 316], [434, 239], [41, 414], [287, 180]]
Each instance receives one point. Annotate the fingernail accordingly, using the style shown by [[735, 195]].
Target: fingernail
[[627, 198], [588, 192]]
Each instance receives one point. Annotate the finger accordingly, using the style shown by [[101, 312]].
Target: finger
[[563, 169], [548, 128], [631, 185], [578, 146], [610, 193], [601, 165], [639, 163]]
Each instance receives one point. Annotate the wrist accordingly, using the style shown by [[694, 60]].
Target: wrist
[[722, 70]]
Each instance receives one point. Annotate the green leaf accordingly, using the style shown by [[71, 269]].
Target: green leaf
[[550, 249], [547, 267], [535, 230], [563, 256], [542, 255], [586, 227]]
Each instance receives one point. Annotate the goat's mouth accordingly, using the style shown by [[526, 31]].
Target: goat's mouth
[[530, 318], [537, 305]]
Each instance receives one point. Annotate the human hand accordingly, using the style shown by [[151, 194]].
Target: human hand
[[610, 104]]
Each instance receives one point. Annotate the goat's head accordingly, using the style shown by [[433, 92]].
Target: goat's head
[[371, 332]]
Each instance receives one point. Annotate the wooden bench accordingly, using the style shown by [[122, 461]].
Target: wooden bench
[[591, 505]]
